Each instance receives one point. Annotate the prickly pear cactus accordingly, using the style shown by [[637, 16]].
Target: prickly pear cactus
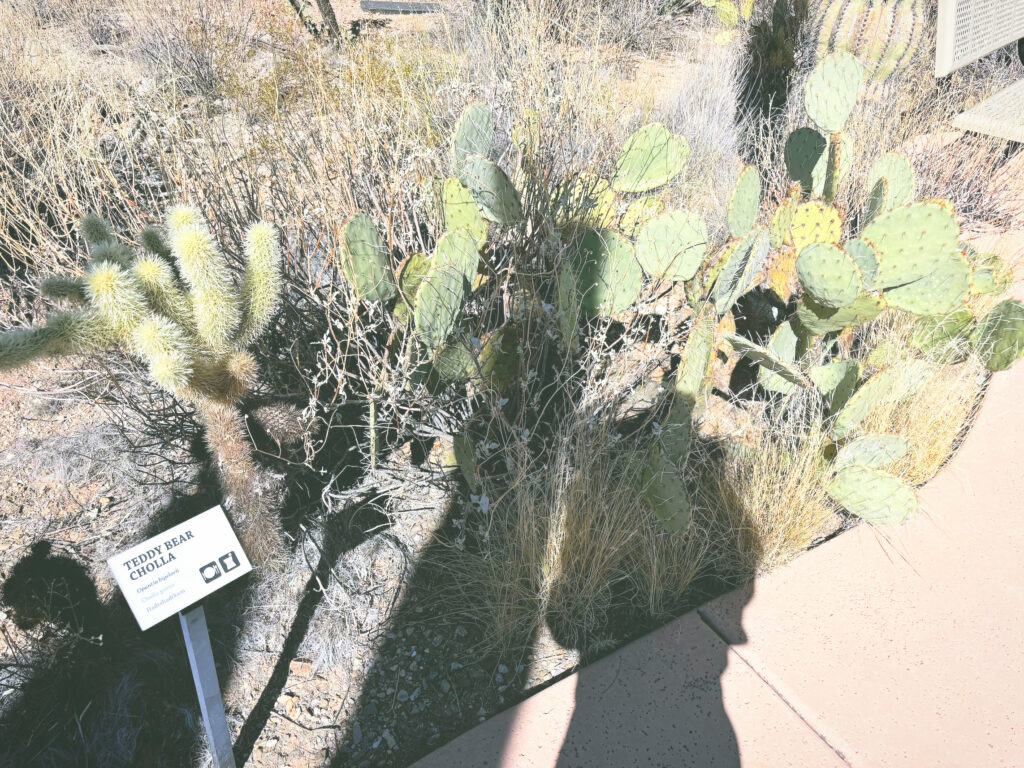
[[474, 134], [999, 337], [610, 277], [829, 275], [885, 387], [650, 158], [831, 91], [672, 246], [366, 259], [873, 495], [461, 210], [745, 202], [498, 199]]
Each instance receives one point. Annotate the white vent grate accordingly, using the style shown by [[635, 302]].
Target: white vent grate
[[970, 29]]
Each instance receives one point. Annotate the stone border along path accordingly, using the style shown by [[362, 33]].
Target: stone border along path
[[884, 647]]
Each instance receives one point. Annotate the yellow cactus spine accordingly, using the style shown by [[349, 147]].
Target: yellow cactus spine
[[261, 287], [116, 298], [164, 346], [204, 268], [156, 279]]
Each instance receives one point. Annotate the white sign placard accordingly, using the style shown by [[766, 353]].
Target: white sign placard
[[180, 566]]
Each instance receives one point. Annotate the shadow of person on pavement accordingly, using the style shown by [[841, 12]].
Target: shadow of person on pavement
[[659, 701]]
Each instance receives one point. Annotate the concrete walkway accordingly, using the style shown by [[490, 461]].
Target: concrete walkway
[[885, 647]]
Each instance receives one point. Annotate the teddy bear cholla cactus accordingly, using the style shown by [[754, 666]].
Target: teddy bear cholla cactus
[[177, 308]]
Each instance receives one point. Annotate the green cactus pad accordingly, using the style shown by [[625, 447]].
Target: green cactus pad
[[455, 361], [745, 202], [461, 210], [410, 274], [910, 241], [878, 199], [438, 303], [867, 262], [816, 320], [831, 91], [767, 360], [676, 432], [873, 495], [465, 457], [665, 491], [999, 338], [787, 347], [458, 250], [989, 273], [898, 173], [836, 381], [782, 222], [740, 270], [887, 386], [568, 301], [651, 158], [610, 276], [695, 359], [806, 150], [943, 337], [940, 291], [499, 359], [493, 192], [366, 260], [874, 451], [639, 213], [474, 134], [828, 275], [672, 246], [585, 199]]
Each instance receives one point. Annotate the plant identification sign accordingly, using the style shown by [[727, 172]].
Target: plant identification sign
[[179, 567]]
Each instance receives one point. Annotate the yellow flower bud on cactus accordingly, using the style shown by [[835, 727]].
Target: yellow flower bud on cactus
[[261, 288]]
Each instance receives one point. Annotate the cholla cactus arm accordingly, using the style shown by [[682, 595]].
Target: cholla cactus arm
[[113, 252], [183, 217], [116, 297], [60, 287], [261, 287], [65, 333], [154, 243], [214, 300], [167, 350], [95, 230], [156, 279]]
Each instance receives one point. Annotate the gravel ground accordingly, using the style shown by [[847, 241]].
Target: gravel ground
[[341, 660]]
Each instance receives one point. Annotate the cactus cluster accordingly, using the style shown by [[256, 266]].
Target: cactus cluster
[[883, 34], [177, 306]]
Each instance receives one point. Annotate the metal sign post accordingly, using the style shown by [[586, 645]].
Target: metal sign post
[[200, 657], [170, 573]]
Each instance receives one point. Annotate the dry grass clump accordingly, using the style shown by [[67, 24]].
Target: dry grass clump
[[766, 497], [935, 419], [570, 544]]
